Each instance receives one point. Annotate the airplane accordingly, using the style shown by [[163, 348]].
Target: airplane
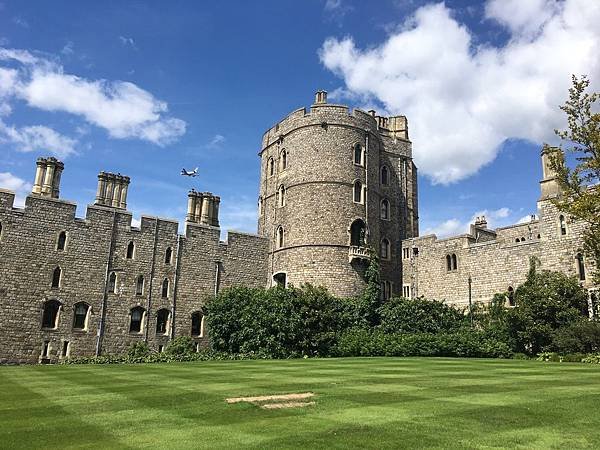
[[189, 173]]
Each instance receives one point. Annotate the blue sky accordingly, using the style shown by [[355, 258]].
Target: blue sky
[[146, 88]]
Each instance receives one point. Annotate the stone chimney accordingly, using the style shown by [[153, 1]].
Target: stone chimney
[[320, 97], [47, 177], [203, 208], [112, 190], [480, 222]]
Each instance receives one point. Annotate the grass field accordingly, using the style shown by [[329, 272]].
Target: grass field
[[360, 402]]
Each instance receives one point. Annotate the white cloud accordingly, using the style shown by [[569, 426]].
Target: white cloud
[[127, 41], [121, 108], [452, 227], [37, 138], [20, 187], [216, 141], [527, 218], [68, 49], [462, 101]]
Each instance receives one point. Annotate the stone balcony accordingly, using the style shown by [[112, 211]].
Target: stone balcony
[[356, 252]]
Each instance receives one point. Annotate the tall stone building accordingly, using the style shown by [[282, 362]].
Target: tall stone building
[[334, 182]]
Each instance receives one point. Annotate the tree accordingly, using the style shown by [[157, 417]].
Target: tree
[[581, 184]]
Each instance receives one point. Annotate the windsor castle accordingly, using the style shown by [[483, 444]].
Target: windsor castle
[[333, 183]]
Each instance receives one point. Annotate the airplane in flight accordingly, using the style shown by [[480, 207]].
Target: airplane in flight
[[189, 173]]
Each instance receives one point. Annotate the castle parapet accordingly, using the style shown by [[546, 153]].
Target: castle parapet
[[47, 177], [203, 208], [112, 190]]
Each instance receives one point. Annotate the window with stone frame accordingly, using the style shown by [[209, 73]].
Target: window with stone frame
[[385, 249], [385, 209], [50, 314], [136, 317], [562, 225], [281, 196], [197, 324], [280, 237], [165, 288], [80, 316], [270, 167], [168, 255], [130, 250], [359, 155], [112, 283], [580, 266], [384, 176], [162, 321], [357, 192], [139, 285], [406, 291], [61, 242], [56, 277], [283, 159]]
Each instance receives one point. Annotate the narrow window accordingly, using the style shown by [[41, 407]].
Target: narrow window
[[61, 242], [165, 288], [260, 206], [517, 240], [580, 266], [56, 277], [281, 196], [385, 209], [271, 167], [160, 349], [280, 279], [386, 290], [162, 320], [112, 283], [197, 322], [135, 324], [80, 316], [50, 315], [357, 233], [139, 285], [562, 223], [130, 250], [511, 296], [46, 349], [454, 262], [280, 237], [384, 176], [283, 159], [406, 291], [358, 155], [65, 349], [0, 230], [385, 249], [448, 263], [358, 191], [168, 255]]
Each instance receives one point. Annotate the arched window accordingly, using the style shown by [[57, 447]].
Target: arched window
[[165, 288], [517, 240], [357, 233], [511, 296], [283, 159], [358, 155], [61, 241], [385, 249], [80, 315], [162, 321], [280, 279], [197, 324], [562, 224], [135, 322], [271, 167], [130, 250], [454, 262], [580, 266], [448, 263], [384, 176], [56, 277], [385, 209], [139, 285], [280, 237], [168, 255], [281, 196], [358, 192], [50, 315], [112, 283]]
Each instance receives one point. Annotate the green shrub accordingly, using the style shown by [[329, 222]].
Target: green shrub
[[582, 336], [402, 315], [591, 359], [573, 357], [138, 350], [521, 356], [181, 345]]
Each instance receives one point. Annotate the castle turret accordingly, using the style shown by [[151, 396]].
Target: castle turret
[[549, 185], [203, 208], [47, 177], [112, 190]]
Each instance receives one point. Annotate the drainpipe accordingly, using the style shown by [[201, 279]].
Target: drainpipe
[[217, 276], [367, 180], [470, 300], [175, 283], [151, 278], [102, 321]]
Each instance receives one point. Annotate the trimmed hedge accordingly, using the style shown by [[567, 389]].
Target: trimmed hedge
[[466, 343]]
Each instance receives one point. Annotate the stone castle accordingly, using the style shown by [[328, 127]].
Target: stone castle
[[333, 184]]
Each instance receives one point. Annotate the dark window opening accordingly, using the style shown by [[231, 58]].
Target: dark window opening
[[80, 316], [168, 255], [384, 176], [135, 325], [56, 277], [112, 283], [385, 209], [454, 262], [162, 320], [511, 296], [280, 279], [165, 288], [280, 237], [358, 192], [563, 225], [50, 316], [197, 324], [46, 349], [160, 349], [65, 349], [357, 233], [448, 263], [580, 267], [139, 285], [385, 249], [271, 167], [130, 250], [62, 240], [358, 154]]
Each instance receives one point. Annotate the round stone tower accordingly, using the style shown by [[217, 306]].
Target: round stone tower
[[333, 183]]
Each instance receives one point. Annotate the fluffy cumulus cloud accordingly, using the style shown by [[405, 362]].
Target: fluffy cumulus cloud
[[123, 109], [451, 227], [36, 138], [464, 100], [20, 187]]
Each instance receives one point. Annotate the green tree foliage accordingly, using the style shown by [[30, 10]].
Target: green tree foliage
[[580, 184], [546, 302], [402, 315], [581, 336], [371, 298]]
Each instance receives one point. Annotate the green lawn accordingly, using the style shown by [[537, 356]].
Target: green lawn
[[360, 402]]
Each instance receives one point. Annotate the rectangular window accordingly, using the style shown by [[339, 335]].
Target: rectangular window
[[66, 349], [46, 349], [406, 253], [406, 291]]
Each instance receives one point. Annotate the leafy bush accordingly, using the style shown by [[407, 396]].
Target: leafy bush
[[555, 357], [375, 342], [402, 315], [582, 336], [160, 358], [139, 349], [591, 359], [181, 345], [521, 356]]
